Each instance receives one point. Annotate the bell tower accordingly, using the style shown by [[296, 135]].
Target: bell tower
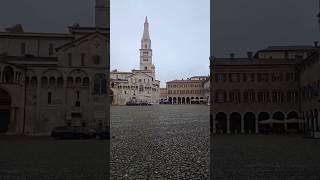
[[146, 51], [102, 11]]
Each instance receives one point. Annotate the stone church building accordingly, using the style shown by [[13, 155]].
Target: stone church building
[[137, 85], [55, 79]]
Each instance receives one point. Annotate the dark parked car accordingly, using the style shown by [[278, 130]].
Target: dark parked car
[[101, 133], [71, 132]]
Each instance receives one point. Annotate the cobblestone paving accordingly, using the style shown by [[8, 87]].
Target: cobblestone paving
[[42, 158], [266, 157], [160, 142]]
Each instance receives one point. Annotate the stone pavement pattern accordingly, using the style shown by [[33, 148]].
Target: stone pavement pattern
[[160, 142]]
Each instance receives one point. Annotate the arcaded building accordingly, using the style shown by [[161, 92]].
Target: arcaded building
[[55, 79], [189, 91], [279, 84], [138, 85]]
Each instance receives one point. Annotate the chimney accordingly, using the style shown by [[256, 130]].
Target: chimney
[[316, 44], [250, 55], [231, 55]]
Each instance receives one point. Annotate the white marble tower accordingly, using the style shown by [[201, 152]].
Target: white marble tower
[[102, 14], [146, 51]]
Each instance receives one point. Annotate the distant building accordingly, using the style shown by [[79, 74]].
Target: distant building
[[163, 95], [137, 85], [279, 84], [206, 90], [188, 91], [55, 79]]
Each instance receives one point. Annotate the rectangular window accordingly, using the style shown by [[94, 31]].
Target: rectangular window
[[49, 98], [23, 49], [69, 59], [235, 96], [244, 77], [82, 59], [220, 96], [50, 49]]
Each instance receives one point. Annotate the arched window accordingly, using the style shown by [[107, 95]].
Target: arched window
[[100, 85], [34, 81], [85, 82], [78, 81], [8, 75], [52, 81], [44, 81], [70, 82], [60, 82]]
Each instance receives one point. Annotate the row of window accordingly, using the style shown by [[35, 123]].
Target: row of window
[[23, 49], [251, 96], [258, 77], [77, 102], [95, 59], [183, 85], [185, 91]]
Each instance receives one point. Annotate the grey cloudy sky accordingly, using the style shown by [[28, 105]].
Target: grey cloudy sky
[[179, 28]]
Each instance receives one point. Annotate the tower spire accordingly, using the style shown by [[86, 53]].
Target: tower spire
[[146, 35]]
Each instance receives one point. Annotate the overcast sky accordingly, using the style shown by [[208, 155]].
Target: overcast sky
[[179, 29]]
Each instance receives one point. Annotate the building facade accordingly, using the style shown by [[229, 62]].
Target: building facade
[[55, 79], [163, 95], [137, 85], [271, 86], [188, 91]]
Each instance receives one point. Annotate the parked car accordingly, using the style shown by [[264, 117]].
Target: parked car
[[71, 132], [101, 133]]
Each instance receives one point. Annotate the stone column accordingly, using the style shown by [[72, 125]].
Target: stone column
[[285, 126], [228, 126], [257, 126], [242, 125], [13, 123], [38, 110]]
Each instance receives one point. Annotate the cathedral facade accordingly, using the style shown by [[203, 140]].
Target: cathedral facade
[[55, 79], [138, 85]]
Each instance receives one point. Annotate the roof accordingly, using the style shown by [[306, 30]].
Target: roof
[[254, 61], [35, 34], [78, 40], [288, 48]]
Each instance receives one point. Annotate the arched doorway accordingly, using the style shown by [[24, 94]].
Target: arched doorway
[[249, 122], [188, 100], [5, 106], [264, 128], [221, 122], [174, 100], [279, 127], [183, 100], [170, 100], [293, 116], [179, 100], [235, 122]]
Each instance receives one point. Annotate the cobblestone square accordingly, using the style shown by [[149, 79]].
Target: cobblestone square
[[160, 142]]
